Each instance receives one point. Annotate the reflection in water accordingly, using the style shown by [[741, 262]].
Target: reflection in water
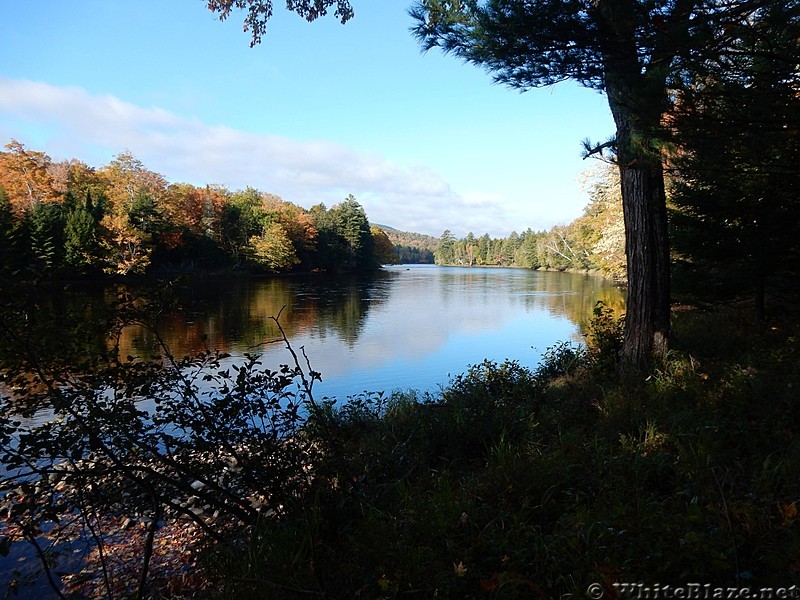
[[400, 328], [236, 316]]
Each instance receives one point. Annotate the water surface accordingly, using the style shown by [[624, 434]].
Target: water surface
[[407, 327]]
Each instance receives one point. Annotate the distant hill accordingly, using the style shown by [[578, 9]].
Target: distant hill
[[411, 248]]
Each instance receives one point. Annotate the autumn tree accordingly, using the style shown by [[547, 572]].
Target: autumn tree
[[272, 249], [384, 249], [25, 176], [296, 222], [185, 208], [133, 215], [603, 223]]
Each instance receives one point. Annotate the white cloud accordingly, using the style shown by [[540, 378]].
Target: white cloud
[[71, 122]]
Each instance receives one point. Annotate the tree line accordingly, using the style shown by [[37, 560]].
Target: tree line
[[594, 241], [412, 248], [650, 59], [65, 218]]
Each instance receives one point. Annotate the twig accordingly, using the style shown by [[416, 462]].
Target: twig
[[31, 538], [148, 543]]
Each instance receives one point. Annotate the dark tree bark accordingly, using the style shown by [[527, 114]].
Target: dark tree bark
[[647, 252]]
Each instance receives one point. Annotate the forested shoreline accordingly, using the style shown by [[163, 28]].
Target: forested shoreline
[[65, 219], [595, 241], [68, 219]]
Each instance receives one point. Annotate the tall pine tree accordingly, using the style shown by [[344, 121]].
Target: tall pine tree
[[737, 128]]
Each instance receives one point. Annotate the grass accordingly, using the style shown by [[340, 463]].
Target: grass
[[535, 484]]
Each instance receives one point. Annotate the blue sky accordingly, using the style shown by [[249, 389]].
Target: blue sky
[[314, 113]]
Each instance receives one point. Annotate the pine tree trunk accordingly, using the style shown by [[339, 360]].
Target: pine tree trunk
[[644, 206], [647, 251]]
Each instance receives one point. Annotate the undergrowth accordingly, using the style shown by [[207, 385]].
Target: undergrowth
[[518, 483]]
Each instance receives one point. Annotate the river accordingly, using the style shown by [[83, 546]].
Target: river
[[406, 327]]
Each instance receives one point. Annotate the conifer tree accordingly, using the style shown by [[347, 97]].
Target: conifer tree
[[80, 239], [354, 229], [737, 126], [445, 251]]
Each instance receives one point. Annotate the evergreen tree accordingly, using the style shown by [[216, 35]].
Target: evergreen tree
[[445, 251], [353, 227], [737, 124], [47, 235], [484, 245], [331, 251], [80, 239], [145, 213], [8, 236], [629, 49]]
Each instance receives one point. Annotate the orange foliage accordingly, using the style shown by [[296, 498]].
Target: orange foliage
[[26, 177]]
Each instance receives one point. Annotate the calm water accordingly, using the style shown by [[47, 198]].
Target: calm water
[[406, 327]]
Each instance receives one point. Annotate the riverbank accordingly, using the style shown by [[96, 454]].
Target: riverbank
[[520, 483], [621, 280]]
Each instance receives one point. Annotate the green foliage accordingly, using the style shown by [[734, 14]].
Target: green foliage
[[561, 360], [47, 235], [517, 484], [412, 248], [445, 250], [344, 241], [353, 228], [80, 239], [604, 337], [594, 241], [13, 244]]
